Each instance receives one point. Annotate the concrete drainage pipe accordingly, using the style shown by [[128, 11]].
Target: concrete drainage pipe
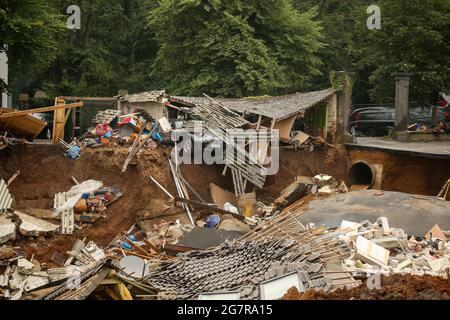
[[362, 173]]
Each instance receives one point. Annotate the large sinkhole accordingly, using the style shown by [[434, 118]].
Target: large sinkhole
[[361, 173]]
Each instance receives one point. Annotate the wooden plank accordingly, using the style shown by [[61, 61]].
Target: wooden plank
[[58, 122], [123, 292], [178, 248], [136, 247], [110, 281], [152, 246], [40, 110], [112, 99], [208, 207]]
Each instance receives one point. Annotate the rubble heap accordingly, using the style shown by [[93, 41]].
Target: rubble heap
[[246, 265], [377, 248]]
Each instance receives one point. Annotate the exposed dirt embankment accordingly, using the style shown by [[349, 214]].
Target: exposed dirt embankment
[[331, 161], [406, 173], [45, 172]]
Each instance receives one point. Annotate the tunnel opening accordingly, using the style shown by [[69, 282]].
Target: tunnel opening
[[361, 173]]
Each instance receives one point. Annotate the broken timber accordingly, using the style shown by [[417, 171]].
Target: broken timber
[[180, 191], [40, 110], [137, 145], [223, 123], [208, 207]]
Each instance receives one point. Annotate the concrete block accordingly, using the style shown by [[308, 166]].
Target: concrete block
[[324, 191], [24, 266], [7, 229], [31, 226], [15, 280], [370, 252], [33, 282], [3, 281], [404, 264], [383, 224], [386, 242]]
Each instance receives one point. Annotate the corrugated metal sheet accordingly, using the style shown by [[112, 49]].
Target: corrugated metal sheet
[[5, 197]]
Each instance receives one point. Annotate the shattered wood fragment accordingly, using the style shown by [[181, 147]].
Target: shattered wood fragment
[[13, 178]]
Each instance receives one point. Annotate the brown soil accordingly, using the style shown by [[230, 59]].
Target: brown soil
[[331, 161], [45, 171], [395, 287], [405, 173]]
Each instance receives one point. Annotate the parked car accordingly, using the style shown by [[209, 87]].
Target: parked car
[[371, 122], [46, 133]]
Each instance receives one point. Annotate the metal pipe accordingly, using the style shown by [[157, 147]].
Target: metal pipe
[[161, 187]]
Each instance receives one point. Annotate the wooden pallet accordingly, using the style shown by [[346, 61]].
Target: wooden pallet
[[67, 216]]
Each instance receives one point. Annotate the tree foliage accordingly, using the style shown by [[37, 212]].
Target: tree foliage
[[234, 48], [112, 51], [30, 31], [225, 48], [414, 38]]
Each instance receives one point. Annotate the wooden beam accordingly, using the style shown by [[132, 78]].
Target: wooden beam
[[110, 281], [111, 293], [59, 121], [152, 246], [89, 98], [207, 207], [178, 248], [123, 292], [38, 110]]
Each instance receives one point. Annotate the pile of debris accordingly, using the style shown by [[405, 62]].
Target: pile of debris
[[22, 276], [290, 198], [85, 202], [302, 141], [138, 130], [263, 264], [377, 248]]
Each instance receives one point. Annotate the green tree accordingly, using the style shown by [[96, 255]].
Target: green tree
[[234, 48], [414, 38], [113, 50], [344, 40], [31, 30]]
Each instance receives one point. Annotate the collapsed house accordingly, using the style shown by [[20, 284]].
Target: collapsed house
[[311, 112]]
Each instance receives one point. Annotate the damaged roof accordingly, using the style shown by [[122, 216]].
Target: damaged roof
[[278, 108], [148, 96]]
